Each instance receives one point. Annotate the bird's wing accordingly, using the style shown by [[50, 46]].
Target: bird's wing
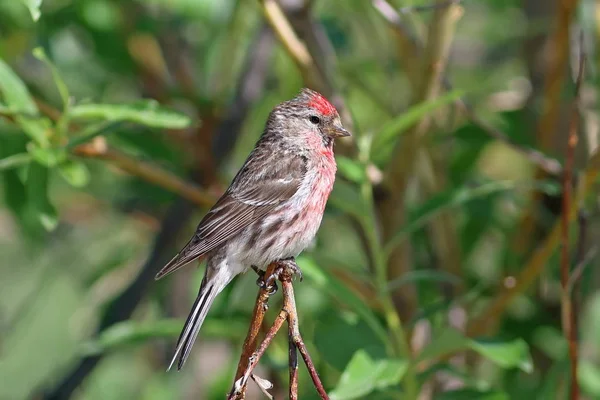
[[254, 192]]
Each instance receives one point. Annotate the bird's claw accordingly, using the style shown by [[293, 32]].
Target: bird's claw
[[269, 284], [290, 264]]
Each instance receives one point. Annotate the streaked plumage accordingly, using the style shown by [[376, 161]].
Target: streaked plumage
[[273, 207]]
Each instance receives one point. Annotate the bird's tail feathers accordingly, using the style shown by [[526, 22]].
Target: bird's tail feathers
[[209, 289], [180, 260]]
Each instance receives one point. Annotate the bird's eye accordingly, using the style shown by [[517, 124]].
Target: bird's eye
[[314, 119]]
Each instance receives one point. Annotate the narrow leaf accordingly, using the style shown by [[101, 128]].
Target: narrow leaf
[[63, 90], [16, 160], [398, 125], [147, 113], [507, 354], [19, 101], [37, 197], [15, 92]]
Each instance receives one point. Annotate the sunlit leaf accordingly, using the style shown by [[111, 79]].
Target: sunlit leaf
[[363, 375], [75, 173], [34, 8], [148, 113], [505, 353]]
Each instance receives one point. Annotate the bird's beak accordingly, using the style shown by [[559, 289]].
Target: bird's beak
[[336, 131]]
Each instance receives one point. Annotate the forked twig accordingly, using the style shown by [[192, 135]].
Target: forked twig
[[284, 272]]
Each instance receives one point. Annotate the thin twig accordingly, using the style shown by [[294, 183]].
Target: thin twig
[[289, 303], [146, 171], [258, 315], [250, 357], [411, 47], [569, 318], [293, 364], [293, 45]]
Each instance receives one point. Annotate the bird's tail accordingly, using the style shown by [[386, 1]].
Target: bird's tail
[[213, 283]]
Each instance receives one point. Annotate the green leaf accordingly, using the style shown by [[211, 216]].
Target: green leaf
[[63, 90], [46, 156], [338, 335], [456, 197], [351, 169], [589, 378], [15, 92], [134, 332], [19, 101], [324, 281], [363, 375], [34, 8], [75, 173], [448, 341], [392, 129], [507, 354], [147, 113], [37, 197], [16, 160]]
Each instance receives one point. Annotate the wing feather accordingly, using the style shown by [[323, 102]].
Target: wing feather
[[250, 197]]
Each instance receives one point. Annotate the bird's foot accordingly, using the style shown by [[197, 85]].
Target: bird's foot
[[269, 284], [285, 266], [290, 265]]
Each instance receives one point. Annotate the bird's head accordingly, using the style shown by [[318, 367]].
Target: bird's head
[[310, 112]]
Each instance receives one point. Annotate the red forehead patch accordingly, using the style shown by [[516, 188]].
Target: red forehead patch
[[319, 103]]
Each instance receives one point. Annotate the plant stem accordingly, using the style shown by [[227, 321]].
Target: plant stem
[[401, 346]]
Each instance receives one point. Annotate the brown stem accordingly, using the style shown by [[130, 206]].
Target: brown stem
[[250, 357], [146, 171], [293, 363], [569, 317], [289, 303], [258, 315]]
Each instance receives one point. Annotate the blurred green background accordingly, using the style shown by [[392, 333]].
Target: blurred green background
[[436, 272]]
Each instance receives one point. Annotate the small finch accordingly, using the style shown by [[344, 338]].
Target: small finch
[[273, 207]]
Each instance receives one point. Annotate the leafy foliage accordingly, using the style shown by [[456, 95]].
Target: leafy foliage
[[111, 109]]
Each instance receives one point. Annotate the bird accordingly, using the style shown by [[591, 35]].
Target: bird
[[272, 209]]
